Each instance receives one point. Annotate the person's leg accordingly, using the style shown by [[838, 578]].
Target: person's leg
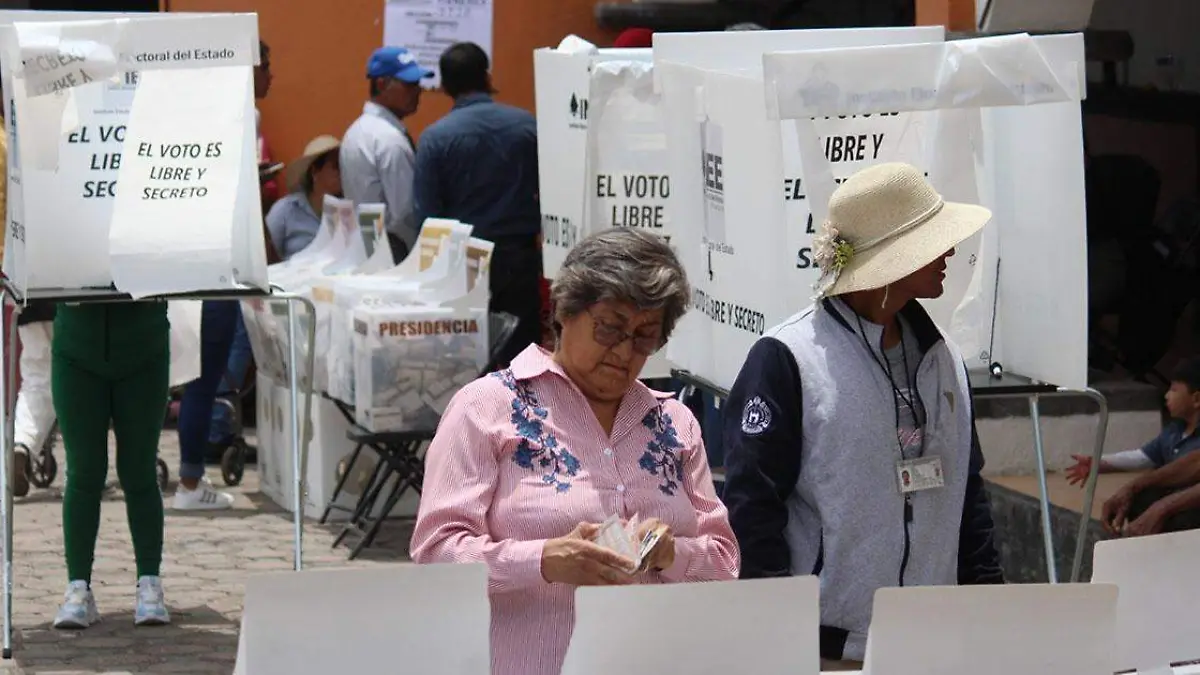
[[35, 406], [139, 403], [1180, 522], [515, 278], [195, 409], [240, 357], [83, 400]]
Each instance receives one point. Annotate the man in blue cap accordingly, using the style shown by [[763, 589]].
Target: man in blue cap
[[377, 150]]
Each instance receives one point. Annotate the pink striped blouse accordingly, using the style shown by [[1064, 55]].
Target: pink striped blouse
[[520, 458]]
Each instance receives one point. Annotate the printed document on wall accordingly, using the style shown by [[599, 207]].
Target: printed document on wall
[[428, 27]]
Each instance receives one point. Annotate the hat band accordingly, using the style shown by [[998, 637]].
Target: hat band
[[919, 220]]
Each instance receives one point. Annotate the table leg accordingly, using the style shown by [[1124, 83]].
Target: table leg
[[297, 477], [1043, 493], [7, 413], [1089, 499]]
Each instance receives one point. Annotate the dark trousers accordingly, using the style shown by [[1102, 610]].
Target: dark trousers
[[1187, 520], [218, 321], [514, 282]]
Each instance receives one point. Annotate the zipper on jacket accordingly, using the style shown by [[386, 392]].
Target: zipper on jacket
[[105, 310], [908, 507], [908, 518]]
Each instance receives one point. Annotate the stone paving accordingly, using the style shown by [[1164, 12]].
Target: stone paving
[[207, 557]]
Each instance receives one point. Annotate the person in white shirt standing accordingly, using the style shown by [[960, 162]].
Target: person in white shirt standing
[[377, 150]]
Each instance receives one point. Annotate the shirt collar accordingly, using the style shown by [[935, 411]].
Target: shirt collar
[[472, 99], [375, 110], [304, 205], [536, 361]]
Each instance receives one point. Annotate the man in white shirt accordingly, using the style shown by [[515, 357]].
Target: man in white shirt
[[377, 150]]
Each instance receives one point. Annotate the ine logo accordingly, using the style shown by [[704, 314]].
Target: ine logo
[[579, 111]]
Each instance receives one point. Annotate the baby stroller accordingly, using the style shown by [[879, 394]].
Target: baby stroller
[[43, 467], [233, 451]]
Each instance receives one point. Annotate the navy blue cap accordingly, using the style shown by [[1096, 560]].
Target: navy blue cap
[[396, 62]]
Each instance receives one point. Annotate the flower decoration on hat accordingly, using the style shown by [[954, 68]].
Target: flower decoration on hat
[[832, 253]]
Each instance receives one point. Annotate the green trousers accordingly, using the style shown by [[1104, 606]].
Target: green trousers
[[111, 367]]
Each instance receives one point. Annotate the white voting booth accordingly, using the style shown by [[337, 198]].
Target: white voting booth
[[1065, 629], [749, 256], [405, 618], [1156, 623], [601, 151], [760, 626], [132, 175]]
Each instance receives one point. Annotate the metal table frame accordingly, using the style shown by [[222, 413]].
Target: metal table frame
[[1005, 385], [300, 434]]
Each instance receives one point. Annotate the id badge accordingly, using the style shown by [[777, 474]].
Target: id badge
[[923, 473]]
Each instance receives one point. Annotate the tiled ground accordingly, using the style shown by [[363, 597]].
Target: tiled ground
[[206, 560]]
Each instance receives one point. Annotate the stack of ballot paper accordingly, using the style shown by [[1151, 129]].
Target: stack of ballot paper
[[622, 538]]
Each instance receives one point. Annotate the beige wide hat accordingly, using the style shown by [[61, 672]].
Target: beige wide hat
[[886, 222], [297, 169]]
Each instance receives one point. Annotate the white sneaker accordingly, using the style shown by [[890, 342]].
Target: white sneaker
[[204, 498], [78, 610], [151, 607]]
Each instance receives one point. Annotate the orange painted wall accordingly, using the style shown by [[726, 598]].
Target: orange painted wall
[[319, 51], [953, 14]]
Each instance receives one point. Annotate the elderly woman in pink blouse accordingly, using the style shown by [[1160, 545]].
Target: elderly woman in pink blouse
[[528, 461]]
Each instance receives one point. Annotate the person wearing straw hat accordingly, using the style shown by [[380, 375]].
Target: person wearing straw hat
[[836, 405], [295, 219]]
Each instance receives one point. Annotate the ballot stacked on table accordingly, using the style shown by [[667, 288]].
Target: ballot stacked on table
[[401, 284], [410, 359]]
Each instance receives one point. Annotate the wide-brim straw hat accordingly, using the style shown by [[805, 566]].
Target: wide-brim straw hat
[[298, 168], [886, 222]]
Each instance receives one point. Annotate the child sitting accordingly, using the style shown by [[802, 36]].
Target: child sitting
[[1177, 439]]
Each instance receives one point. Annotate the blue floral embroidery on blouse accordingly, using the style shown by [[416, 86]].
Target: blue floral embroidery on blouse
[[662, 456], [538, 449]]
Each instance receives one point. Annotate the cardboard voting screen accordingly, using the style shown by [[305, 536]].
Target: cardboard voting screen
[[626, 182], [410, 618], [1065, 629], [561, 84], [744, 277], [1156, 623], [739, 51], [67, 135], [1028, 157], [669, 628]]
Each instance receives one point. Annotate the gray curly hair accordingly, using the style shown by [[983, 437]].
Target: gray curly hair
[[621, 265]]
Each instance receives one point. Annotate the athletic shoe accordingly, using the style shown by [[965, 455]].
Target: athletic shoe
[[204, 498], [78, 610], [20, 481], [151, 607]]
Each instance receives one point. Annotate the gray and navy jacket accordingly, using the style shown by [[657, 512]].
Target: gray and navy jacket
[[810, 469]]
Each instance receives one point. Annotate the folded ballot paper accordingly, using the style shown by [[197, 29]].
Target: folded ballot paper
[[621, 538]]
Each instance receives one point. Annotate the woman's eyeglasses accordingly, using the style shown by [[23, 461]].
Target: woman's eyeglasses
[[607, 335]]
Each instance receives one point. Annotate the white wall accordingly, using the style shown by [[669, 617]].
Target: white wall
[[1008, 442], [1159, 28]]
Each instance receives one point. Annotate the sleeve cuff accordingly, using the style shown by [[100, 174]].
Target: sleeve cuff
[[684, 550], [520, 565]]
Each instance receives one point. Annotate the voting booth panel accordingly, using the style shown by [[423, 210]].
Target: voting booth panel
[[695, 74], [1159, 594], [71, 126], [561, 84], [770, 624], [1028, 157], [745, 149], [430, 618], [1065, 629], [626, 181], [741, 51]]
